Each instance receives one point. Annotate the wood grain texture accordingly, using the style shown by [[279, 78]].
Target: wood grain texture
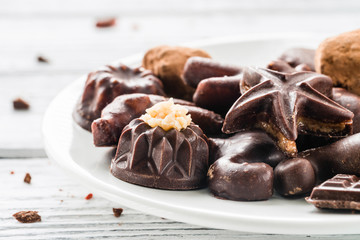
[[67, 215]]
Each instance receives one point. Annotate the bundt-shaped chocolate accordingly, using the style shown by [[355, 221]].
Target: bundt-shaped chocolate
[[156, 158], [115, 116], [103, 85]]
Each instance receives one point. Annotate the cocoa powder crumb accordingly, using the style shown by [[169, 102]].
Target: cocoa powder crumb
[[27, 178], [27, 216], [89, 196], [20, 104], [117, 212], [42, 59], [12, 172], [106, 23]]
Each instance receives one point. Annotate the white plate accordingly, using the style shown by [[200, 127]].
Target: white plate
[[71, 147]]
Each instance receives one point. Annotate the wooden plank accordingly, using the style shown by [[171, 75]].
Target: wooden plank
[[66, 214]]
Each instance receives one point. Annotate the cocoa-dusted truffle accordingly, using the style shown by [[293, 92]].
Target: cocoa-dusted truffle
[[339, 58], [103, 85], [115, 116], [156, 158], [167, 63]]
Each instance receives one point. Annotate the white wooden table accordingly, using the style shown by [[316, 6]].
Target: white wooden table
[[64, 32]]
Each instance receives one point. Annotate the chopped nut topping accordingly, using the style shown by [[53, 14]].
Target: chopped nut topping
[[167, 115]]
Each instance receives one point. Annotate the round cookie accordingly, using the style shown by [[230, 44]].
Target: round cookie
[[339, 58], [167, 63], [105, 84]]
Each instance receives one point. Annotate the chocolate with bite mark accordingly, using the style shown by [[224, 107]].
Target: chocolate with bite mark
[[339, 192], [115, 116], [242, 170], [156, 158], [284, 104]]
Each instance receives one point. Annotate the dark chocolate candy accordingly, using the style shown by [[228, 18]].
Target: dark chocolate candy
[[199, 68], [284, 104], [339, 192], [217, 94], [103, 85], [156, 158], [342, 156], [282, 66], [294, 177], [298, 56], [115, 116], [242, 170]]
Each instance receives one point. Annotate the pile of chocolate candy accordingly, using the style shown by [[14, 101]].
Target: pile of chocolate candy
[[242, 131]]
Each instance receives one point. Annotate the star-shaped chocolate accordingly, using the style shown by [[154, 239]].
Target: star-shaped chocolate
[[284, 104]]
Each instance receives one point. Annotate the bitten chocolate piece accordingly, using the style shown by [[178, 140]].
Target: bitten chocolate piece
[[115, 116], [167, 63], [242, 170], [156, 158], [285, 104], [103, 85], [340, 157], [199, 68], [294, 177], [297, 56], [339, 192]]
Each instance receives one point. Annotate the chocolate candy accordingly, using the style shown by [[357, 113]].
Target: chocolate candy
[[156, 158], [282, 66], [339, 192], [103, 85], [298, 56], [167, 63], [217, 94], [294, 177], [242, 168], [107, 129], [199, 68], [342, 156], [284, 104]]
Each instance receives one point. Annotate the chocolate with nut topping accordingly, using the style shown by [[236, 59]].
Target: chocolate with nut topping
[[285, 104]]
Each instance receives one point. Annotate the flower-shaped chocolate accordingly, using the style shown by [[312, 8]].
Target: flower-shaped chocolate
[[284, 104], [103, 85]]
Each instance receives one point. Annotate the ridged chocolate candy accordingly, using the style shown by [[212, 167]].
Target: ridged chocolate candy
[[107, 129], [103, 85], [156, 158]]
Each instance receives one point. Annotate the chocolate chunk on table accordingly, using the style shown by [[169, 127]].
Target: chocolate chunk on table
[[20, 104], [27, 216], [339, 192]]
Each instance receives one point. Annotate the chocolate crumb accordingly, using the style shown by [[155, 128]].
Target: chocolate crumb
[[42, 59], [117, 212], [27, 178], [12, 172], [20, 104], [61, 200], [89, 196], [106, 23], [27, 216], [135, 27], [60, 190]]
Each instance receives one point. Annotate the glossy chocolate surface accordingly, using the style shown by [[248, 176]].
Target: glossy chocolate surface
[[284, 100], [107, 129], [103, 85], [282, 66], [199, 68], [339, 192], [298, 56], [242, 166], [156, 158], [294, 177]]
